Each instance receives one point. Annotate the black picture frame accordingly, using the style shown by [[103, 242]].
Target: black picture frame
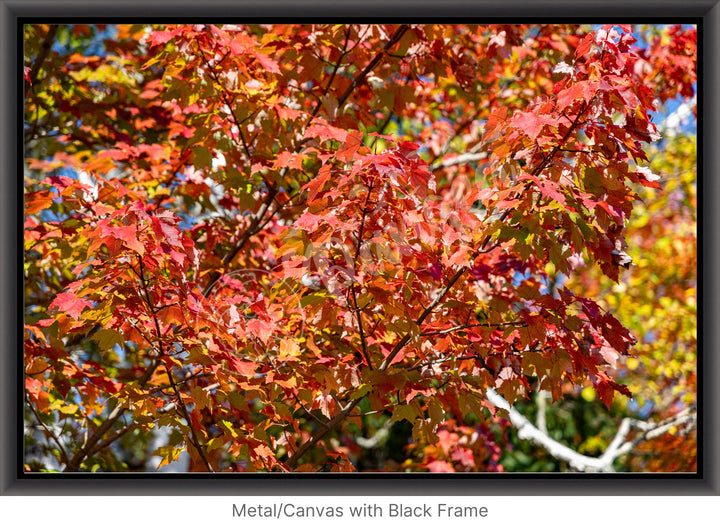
[[13, 13]]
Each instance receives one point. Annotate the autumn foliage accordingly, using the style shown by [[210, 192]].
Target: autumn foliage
[[280, 241]]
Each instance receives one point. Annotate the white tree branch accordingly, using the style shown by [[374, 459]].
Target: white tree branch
[[618, 446], [541, 422], [459, 159]]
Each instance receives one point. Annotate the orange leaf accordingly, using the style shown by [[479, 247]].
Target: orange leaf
[[37, 201], [351, 145]]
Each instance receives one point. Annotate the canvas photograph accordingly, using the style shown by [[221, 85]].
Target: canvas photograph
[[359, 248]]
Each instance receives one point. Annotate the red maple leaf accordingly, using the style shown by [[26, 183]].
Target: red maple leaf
[[243, 367], [70, 303]]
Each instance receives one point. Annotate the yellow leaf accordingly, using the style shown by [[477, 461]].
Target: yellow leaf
[[67, 409], [588, 394]]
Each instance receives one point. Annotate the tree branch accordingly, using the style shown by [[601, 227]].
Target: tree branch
[[186, 415], [90, 443], [45, 48], [580, 462], [653, 430], [321, 432], [360, 77], [459, 128], [358, 317], [459, 159], [376, 439], [344, 52], [292, 460], [127, 428], [171, 378], [356, 309], [256, 223], [463, 327], [464, 357], [438, 299], [47, 430], [551, 155], [541, 400]]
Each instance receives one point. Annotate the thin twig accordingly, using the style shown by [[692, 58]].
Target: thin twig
[[472, 325], [459, 128], [186, 415], [458, 160], [197, 375], [178, 396], [358, 317], [320, 433], [356, 309], [345, 51], [127, 428], [110, 439], [227, 102], [255, 224], [47, 430], [45, 48], [89, 444], [360, 77], [477, 357]]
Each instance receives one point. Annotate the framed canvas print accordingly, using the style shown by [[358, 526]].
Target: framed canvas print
[[353, 246]]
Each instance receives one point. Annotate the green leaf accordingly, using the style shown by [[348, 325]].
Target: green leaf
[[202, 157], [360, 391], [107, 338], [406, 412]]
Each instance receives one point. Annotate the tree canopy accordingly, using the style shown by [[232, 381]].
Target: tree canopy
[[360, 247]]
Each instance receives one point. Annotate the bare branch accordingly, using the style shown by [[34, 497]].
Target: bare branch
[[378, 438], [461, 126], [344, 52], [320, 433], [541, 401], [458, 160], [580, 462], [360, 77], [45, 48], [687, 417], [47, 430], [472, 325]]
